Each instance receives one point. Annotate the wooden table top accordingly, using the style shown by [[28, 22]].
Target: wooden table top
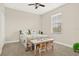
[[37, 41]]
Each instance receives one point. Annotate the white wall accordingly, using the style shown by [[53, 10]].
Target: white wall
[[70, 24], [2, 27], [16, 20]]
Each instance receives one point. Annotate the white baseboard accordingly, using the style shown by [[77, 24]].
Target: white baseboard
[[67, 45], [1, 47], [11, 41]]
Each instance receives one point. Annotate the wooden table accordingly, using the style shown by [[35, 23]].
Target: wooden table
[[39, 41]]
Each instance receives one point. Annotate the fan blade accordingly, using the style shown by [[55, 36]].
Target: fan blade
[[41, 5], [36, 7], [31, 4]]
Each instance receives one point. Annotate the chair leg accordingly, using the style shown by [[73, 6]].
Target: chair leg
[[39, 52]]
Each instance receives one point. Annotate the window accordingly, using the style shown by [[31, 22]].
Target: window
[[56, 23]]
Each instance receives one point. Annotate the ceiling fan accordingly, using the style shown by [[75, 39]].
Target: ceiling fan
[[37, 5]]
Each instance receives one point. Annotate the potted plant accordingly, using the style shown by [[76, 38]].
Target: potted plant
[[40, 32], [76, 47], [20, 31], [29, 32]]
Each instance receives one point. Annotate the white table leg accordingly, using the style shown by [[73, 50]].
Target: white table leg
[[52, 45], [34, 49]]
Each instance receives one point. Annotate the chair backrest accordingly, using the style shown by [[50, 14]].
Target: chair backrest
[[42, 45]]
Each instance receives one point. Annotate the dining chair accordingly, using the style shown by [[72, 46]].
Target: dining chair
[[49, 45], [42, 48]]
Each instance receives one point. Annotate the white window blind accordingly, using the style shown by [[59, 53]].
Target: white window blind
[[56, 23]]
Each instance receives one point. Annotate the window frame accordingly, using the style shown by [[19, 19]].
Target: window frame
[[52, 23]]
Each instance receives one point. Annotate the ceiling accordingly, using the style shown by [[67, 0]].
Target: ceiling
[[24, 7]]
